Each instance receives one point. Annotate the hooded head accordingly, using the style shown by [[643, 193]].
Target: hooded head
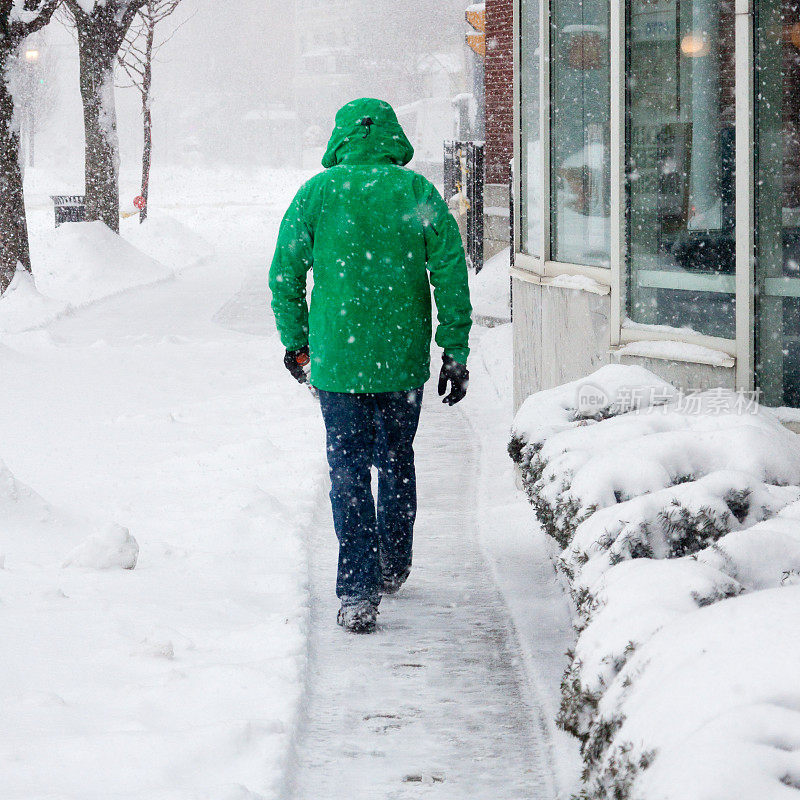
[[367, 132]]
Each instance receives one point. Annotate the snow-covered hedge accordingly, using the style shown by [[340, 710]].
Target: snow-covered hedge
[[666, 506], [672, 522], [650, 438]]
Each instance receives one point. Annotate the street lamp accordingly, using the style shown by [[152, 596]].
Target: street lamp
[[31, 56]]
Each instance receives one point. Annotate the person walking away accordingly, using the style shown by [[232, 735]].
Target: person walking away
[[377, 236]]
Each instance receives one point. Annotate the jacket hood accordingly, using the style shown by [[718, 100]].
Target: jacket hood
[[367, 132]]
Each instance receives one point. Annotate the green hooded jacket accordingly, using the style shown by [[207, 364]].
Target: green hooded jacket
[[377, 236]]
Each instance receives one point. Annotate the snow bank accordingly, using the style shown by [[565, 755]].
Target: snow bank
[[80, 262], [168, 241], [493, 349], [680, 522], [112, 548], [490, 291], [32, 531], [23, 307], [18, 501]]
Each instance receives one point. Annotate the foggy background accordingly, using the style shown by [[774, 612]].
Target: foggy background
[[257, 82]]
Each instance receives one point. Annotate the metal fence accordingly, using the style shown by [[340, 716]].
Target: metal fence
[[69, 208], [463, 178]]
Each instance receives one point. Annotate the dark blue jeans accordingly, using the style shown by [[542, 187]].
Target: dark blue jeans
[[367, 429]]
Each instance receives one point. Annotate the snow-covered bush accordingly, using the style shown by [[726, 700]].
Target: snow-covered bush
[[595, 443], [765, 556], [668, 508], [612, 390], [706, 709], [626, 606], [672, 522]]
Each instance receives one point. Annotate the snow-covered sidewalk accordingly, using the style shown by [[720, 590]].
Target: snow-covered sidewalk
[[181, 678], [165, 409], [436, 702]]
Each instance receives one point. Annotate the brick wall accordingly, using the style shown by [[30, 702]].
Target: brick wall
[[499, 89]]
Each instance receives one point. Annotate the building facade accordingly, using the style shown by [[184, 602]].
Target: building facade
[[657, 152], [499, 126]]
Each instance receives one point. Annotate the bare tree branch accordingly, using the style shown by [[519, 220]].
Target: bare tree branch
[[136, 58], [18, 29], [77, 12]]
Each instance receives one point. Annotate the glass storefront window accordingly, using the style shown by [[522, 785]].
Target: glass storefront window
[[531, 208], [778, 201], [579, 132], [681, 158]]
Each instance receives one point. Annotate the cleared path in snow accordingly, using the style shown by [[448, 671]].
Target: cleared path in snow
[[432, 705]]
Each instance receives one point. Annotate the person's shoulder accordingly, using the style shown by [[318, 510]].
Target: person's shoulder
[[423, 187], [315, 182], [423, 182], [311, 191]]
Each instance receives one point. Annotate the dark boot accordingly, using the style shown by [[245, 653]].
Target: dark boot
[[359, 617]]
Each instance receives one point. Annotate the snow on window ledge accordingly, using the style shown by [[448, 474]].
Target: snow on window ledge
[[672, 350]]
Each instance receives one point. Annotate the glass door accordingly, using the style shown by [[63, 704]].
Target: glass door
[[681, 182], [777, 105]]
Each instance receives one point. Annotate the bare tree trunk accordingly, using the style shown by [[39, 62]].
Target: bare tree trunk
[[97, 60], [147, 117], [14, 247]]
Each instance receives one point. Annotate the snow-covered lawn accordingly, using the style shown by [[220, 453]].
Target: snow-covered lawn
[[144, 427], [679, 524]]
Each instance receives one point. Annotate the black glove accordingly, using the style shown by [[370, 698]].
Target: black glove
[[297, 362], [458, 377]]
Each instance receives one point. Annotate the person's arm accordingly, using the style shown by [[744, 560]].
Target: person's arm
[[447, 266], [287, 276]]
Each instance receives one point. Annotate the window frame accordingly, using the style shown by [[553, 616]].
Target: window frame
[[615, 276]]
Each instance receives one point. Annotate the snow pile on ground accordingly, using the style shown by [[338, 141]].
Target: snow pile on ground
[[22, 306], [490, 291], [666, 505], [112, 548], [494, 352], [168, 241], [183, 677], [80, 262], [34, 532]]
